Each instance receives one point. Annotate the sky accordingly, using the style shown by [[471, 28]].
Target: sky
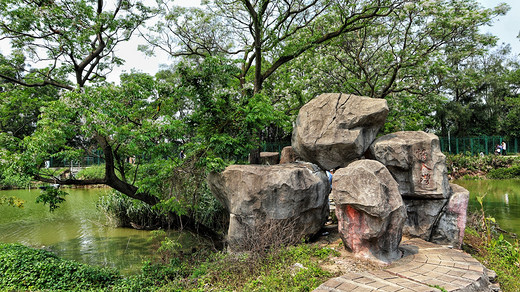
[[506, 28]]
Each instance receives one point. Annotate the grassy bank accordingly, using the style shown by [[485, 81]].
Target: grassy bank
[[495, 249], [487, 166], [297, 268]]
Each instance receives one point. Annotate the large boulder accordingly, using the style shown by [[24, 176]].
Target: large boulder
[[422, 216], [369, 209], [416, 162], [452, 222], [335, 129], [263, 200]]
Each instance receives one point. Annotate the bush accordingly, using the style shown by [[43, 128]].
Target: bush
[[24, 268], [505, 173], [91, 172], [461, 165], [123, 211]]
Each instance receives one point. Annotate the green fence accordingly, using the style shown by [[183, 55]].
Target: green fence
[[476, 145]]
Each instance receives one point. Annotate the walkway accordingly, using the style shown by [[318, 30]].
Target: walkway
[[424, 267]]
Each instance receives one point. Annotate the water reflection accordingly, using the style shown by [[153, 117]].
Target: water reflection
[[77, 231], [501, 201]]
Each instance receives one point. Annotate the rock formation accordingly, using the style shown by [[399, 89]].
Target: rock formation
[[404, 182], [334, 129], [416, 162], [370, 210], [452, 222], [256, 195]]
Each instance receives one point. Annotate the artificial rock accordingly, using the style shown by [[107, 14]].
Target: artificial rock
[[369, 209], [335, 129], [294, 193], [452, 222], [416, 162]]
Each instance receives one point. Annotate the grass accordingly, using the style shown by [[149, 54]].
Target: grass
[[495, 251], [295, 268]]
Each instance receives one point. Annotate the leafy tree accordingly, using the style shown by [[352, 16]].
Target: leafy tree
[[397, 57], [264, 34], [54, 40]]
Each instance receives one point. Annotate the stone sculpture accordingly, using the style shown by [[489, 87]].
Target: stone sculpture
[[335, 129], [288, 155], [294, 193], [452, 222], [415, 160], [370, 210], [402, 188]]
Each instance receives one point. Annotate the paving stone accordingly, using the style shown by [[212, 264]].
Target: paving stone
[[431, 265]]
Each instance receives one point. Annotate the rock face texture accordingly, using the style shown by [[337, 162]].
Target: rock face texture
[[269, 158], [452, 222], [422, 215], [335, 129], [295, 193], [288, 155], [370, 210], [435, 212], [416, 162]]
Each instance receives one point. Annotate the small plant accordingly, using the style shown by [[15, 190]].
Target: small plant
[[26, 269], [164, 247], [11, 201], [52, 196], [485, 220]]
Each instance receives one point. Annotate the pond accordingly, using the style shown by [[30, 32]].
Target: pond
[[501, 200], [77, 230]]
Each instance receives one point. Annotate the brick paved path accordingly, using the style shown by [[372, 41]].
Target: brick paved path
[[425, 267]]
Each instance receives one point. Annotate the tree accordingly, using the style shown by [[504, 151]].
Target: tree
[[397, 57], [266, 33], [55, 40]]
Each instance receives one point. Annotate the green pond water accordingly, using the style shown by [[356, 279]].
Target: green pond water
[[501, 201], [77, 230]]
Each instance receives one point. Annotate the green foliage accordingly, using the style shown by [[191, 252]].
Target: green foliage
[[277, 271], [12, 201], [460, 165], [505, 173], [499, 254], [24, 268], [94, 171], [123, 211], [65, 39], [165, 248], [52, 196]]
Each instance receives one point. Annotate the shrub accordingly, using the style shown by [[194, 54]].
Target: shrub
[[123, 211], [91, 172], [24, 268], [505, 173]]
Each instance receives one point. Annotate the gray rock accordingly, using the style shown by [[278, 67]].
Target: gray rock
[[422, 215], [264, 202], [335, 129], [369, 209], [452, 222], [416, 162]]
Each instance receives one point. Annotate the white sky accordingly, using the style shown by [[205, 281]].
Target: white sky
[[508, 26]]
